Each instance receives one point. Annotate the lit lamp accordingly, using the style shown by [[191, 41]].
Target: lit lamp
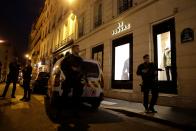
[[2, 41], [27, 56], [71, 1]]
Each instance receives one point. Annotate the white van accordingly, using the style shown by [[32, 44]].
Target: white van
[[92, 90]]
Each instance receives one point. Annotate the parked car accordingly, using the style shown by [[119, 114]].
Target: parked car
[[40, 84], [92, 90]]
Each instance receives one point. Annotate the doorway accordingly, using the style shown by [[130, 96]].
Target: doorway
[[165, 55], [97, 54]]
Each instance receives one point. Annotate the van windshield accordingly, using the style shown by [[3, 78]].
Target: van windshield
[[91, 69]]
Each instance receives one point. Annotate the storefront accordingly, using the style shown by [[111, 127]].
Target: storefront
[[120, 44]]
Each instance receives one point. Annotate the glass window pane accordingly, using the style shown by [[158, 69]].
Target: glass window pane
[[122, 62], [164, 56]]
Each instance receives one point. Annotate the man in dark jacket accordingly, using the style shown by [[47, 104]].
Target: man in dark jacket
[[27, 71], [12, 77], [148, 72], [71, 67]]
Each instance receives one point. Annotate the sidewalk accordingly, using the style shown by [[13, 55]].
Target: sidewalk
[[178, 117]]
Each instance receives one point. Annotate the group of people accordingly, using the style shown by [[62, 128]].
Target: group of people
[[12, 77], [72, 68]]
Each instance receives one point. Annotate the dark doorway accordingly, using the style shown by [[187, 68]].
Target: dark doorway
[[165, 55], [122, 62], [97, 54]]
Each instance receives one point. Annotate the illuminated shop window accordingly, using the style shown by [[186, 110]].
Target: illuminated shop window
[[164, 56], [122, 62]]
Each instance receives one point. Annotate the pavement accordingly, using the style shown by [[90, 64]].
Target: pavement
[[178, 117], [182, 118]]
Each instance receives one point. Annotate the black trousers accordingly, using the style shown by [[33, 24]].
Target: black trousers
[[153, 101], [167, 71], [7, 86], [27, 90]]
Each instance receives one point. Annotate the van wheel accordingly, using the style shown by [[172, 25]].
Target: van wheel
[[95, 105], [52, 110]]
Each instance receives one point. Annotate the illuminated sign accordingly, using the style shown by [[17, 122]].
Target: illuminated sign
[[121, 27]]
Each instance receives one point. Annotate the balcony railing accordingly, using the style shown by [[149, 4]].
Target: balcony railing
[[64, 42]]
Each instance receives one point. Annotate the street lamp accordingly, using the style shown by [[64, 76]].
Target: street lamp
[[27, 56], [71, 1], [2, 41]]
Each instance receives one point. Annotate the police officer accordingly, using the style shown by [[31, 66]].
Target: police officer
[[27, 71], [148, 72], [12, 77], [72, 68]]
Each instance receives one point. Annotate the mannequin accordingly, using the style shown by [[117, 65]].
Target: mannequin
[[167, 62], [125, 71]]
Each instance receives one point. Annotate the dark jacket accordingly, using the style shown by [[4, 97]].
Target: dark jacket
[[72, 66], [148, 73], [13, 71], [27, 71]]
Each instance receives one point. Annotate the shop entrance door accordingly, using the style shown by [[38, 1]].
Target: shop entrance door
[[165, 55]]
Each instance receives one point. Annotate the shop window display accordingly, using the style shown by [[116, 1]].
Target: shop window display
[[122, 62], [164, 56]]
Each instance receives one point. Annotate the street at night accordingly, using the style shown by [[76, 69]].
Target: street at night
[[16, 115], [97, 65]]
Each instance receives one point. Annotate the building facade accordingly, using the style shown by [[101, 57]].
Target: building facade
[[118, 33]]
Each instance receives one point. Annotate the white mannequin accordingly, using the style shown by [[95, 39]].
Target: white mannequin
[[167, 62]]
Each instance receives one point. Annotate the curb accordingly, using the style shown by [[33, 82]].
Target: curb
[[155, 119]]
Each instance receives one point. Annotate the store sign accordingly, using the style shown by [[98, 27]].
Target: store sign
[[121, 27]]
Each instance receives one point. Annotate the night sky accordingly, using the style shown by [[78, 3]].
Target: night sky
[[16, 18]]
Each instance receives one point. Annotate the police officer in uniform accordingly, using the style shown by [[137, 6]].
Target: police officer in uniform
[[27, 71], [72, 68], [12, 77]]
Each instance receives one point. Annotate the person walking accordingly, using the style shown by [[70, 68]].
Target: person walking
[[148, 72], [12, 77], [27, 71]]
